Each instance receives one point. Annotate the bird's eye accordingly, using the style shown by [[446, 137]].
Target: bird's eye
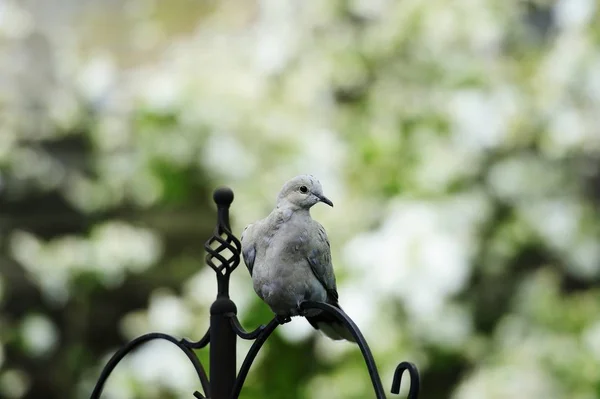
[[303, 189]]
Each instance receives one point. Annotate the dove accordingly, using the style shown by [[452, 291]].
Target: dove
[[288, 256]]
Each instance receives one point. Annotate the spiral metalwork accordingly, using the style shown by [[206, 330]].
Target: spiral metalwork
[[223, 256]]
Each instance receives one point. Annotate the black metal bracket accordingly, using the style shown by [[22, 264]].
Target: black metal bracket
[[184, 345], [223, 256], [343, 318], [254, 349]]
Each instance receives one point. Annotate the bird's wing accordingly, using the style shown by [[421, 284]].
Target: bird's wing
[[319, 259], [248, 246]]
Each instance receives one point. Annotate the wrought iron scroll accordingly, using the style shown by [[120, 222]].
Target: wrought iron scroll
[[124, 351], [366, 352], [201, 343], [415, 382], [254, 349]]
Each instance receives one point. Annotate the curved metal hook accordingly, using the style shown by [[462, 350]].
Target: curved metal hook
[[204, 341], [415, 382], [121, 353], [360, 340], [254, 349], [239, 330], [366, 352]]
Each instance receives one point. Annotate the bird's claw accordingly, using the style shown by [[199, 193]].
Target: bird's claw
[[301, 312], [283, 319]]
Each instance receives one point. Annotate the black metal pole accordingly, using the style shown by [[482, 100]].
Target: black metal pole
[[223, 339], [222, 349]]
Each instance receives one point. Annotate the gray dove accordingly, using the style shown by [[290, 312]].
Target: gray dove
[[289, 258]]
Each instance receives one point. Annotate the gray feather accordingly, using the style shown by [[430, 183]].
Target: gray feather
[[319, 259], [248, 248]]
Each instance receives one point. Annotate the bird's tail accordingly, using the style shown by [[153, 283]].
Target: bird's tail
[[330, 326]]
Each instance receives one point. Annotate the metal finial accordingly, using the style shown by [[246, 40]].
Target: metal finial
[[223, 249], [223, 197]]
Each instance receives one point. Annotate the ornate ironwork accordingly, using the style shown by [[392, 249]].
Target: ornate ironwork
[[366, 352], [223, 256], [254, 349], [185, 346]]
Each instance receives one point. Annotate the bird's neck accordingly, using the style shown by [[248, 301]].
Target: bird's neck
[[287, 209]]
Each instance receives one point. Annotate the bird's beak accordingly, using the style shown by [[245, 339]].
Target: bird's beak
[[325, 200]]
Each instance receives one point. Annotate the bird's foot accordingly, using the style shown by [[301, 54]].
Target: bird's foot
[[282, 319], [301, 312]]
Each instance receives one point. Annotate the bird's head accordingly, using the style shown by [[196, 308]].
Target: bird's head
[[302, 192]]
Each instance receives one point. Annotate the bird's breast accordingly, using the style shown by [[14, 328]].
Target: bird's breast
[[283, 286]]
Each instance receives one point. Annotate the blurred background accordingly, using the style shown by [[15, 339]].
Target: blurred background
[[459, 141]]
